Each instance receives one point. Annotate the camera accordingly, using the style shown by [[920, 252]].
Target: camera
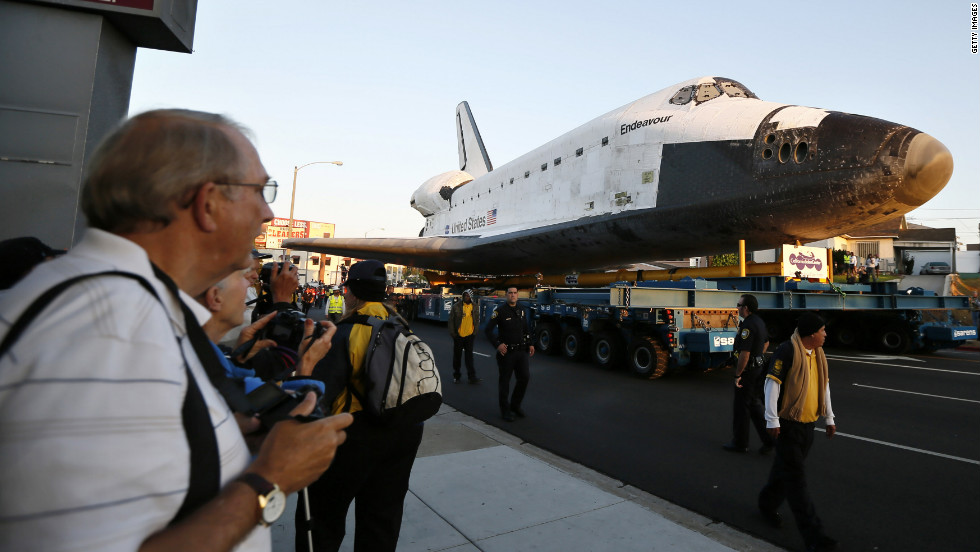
[[265, 275], [273, 404], [286, 329]]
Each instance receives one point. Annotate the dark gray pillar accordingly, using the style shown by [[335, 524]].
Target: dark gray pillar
[[65, 80]]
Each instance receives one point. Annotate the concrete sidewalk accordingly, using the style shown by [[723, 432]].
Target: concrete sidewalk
[[476, 487]]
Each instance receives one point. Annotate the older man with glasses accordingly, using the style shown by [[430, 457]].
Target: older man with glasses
[[750, 343], [120, 429]]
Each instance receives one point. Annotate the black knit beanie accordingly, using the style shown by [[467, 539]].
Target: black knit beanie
[[809, 324]]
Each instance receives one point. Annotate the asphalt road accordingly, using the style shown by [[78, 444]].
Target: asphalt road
[[903, 472]]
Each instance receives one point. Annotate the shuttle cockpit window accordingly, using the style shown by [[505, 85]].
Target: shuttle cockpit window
[[707, 91], [683, 96], [704, 92], [734, 89]]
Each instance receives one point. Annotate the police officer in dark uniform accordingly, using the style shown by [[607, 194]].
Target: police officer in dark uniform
[[750, 343], [513, 353]]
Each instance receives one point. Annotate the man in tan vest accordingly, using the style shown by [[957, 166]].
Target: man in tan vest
[[797, 393]]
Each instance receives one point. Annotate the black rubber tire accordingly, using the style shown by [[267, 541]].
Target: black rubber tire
[[546, 338], [607, 350], [647, 358], [574, 343], [893, 339], [845, 335]]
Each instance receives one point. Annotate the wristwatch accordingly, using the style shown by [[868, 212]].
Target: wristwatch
[[272, 501]]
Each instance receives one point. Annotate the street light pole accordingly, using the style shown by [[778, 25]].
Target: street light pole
[[292, 201]]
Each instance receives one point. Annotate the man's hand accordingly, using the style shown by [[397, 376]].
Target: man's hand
[[283, 282], [295, 454], [251, 429], [773, 432], [831, 430], [530, 350], [738, 381], [250, 332], [311, 352], [502, 349]]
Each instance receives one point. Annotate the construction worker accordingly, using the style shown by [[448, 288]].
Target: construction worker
[[335, 306]]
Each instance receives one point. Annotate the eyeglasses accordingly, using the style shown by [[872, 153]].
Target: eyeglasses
[[269, 189], [739, 305]]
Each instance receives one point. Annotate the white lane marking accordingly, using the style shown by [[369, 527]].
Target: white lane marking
[[876, 357], [915, 393], [481, 354], [967, 460], [848, 359]]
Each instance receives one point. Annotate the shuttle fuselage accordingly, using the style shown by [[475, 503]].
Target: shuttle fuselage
[[686, 171]]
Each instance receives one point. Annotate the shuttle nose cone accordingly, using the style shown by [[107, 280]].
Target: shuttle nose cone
[[928, 167]]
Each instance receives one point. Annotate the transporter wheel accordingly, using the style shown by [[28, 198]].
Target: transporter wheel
[[845, 334], [574, 343], [607, 350], [893, 339], [647, 357], [546, 338]]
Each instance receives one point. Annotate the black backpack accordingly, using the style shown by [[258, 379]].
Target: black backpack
[[401, 382]]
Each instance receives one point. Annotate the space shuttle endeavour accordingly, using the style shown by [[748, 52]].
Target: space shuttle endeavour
[[686, 171]]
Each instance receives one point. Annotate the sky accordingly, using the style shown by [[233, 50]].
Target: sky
[[375, 84]]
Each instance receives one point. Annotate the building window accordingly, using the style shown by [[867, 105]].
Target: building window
[[605, 141], [557, 161], [867, 248], [578, 152]]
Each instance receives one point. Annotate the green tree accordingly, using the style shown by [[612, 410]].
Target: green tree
[[727, 259]]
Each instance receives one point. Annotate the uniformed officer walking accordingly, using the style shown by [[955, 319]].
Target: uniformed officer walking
[[513, 353], [751, 342]]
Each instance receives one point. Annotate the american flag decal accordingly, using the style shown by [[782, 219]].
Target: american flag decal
[[491, 217]]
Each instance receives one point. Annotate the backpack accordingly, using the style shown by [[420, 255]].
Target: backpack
[[401, 382]]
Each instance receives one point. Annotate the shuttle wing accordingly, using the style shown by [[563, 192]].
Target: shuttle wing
[[434, 252]]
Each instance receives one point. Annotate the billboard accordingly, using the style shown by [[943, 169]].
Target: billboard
[[805, 262], [278, 230]]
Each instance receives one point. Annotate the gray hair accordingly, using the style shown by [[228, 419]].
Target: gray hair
[[152, 162]]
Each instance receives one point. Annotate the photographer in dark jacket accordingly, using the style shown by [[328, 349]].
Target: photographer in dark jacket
[[514, 352], [374, 465], [279, 282]]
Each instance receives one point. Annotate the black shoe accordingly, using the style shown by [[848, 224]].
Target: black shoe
[[732, 447], [475, 381], [519, 411], [766, 449], [822, 544], [772, 517], [508, 416], [455, 380]]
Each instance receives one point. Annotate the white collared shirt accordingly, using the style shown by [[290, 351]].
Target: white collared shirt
[[91, 433]]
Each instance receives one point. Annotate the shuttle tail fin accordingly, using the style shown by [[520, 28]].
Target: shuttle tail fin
[[473, 156]]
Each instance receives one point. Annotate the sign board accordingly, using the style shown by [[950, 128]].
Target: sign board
[[804, 262], [158, 24], [276, 231]]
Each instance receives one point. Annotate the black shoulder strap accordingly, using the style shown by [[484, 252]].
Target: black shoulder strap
[[35, 308], [205, 469], [356, 318], [233, 393]]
